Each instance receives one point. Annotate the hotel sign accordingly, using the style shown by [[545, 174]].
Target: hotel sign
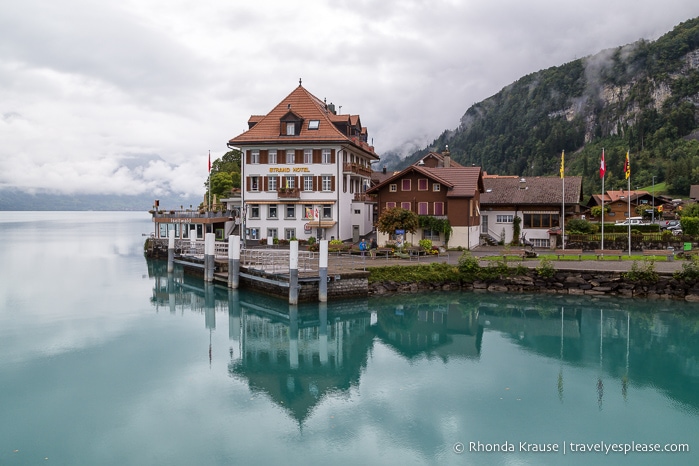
[[289, 170]]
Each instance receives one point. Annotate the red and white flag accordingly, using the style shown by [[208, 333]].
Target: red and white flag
[[602, 167], [209, 161]]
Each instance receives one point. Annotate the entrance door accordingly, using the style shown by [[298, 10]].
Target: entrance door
[[355, 233], [484, 224]]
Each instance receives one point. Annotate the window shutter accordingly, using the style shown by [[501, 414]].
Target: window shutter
[[332, 157], [316, 155], [247, 157], [263, 156], [332, 183], [299, 156]]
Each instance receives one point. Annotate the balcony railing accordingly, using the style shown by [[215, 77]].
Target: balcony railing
[[364, 197], [357, 169], [288, 193]]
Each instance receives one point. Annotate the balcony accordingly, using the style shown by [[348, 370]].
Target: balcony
[[364, 197], [288, 193], [356, 169]]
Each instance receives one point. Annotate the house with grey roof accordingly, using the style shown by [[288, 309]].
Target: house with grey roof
[[537, 201]]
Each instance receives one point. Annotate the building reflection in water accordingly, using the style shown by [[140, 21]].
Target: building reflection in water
[[297, 355]]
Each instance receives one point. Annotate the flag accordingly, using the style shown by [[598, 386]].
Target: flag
[[209, 161], [562, 163], [627, 167], [602, 167]]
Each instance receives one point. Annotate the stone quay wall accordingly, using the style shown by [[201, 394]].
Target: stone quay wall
[[562, 282]]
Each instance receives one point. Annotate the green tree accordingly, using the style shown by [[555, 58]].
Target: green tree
[[397, 219]]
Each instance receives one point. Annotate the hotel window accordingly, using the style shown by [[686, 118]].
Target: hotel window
[[326, 182], [422, 208], [163, 230], [254, 183], [308, 156], [289, 233], [393, 188], [272, 183], [290, 182], [254, 211], [439, 208], [272, 211], [327, 212], [326, 156], [422, 184], [255, 156], [290, 155], [405, 205], [308, 183], [436, 187], [405, 185], [290, 211], [272, 233], [254, 233], [308, 211], [390, 205], [272, 156], [290, 129], [313, 124], [504, 218]]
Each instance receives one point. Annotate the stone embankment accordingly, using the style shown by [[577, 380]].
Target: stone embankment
[[562, 282]]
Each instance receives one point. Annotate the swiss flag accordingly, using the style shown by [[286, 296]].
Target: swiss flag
[[209, 161], [602, 167]]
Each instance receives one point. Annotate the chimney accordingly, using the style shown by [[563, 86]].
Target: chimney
[[447, 157], [384, 169], [522, 183]]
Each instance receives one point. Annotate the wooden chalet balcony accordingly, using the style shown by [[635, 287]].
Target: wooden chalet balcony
[[357, 169], [364, 197], [288, 193]]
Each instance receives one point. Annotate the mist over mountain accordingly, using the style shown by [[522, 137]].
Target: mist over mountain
[[641, 97]]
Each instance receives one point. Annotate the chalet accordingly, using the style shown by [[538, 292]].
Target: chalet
[[617, 204], [305, 171], [537, 201], [445, 192]]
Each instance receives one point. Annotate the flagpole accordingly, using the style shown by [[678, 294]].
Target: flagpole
[[603, 172], [209, 189], [563, 202], [628, 195]]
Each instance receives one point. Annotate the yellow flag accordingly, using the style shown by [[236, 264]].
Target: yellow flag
[[627, 166], [562, 163]]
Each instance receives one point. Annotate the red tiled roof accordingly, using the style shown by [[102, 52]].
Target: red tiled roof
[[461, 181], [266, 128]]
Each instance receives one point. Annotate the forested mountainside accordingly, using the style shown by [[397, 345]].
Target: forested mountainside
[[642, 97]]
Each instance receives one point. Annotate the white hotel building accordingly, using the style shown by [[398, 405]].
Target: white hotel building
[[305, 170]]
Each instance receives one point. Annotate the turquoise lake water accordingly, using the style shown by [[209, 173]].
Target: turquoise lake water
[[107, 360]]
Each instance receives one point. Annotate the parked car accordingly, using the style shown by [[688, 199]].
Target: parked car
[[667, 224], [674, 227], [632, 221]]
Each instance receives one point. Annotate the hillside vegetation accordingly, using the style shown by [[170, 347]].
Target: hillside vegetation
[[641, 97]]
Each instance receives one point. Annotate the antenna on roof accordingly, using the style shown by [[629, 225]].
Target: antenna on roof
[[299, 81]]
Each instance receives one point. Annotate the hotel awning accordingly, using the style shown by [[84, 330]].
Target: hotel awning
[[321, 224]]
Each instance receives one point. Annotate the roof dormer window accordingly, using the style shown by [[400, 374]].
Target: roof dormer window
[[313, 124], [290, 129]]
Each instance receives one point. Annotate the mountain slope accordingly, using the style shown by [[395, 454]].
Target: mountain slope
[[641, 97]]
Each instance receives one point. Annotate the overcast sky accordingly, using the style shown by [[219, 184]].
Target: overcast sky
[[129, 96]]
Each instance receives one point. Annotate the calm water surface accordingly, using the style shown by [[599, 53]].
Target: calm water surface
[[105, 359]]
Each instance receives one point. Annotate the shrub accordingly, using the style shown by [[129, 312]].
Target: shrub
[[545, 268], [690, 270], [468, 265], [425, 244], [645, 272], [311, 240]]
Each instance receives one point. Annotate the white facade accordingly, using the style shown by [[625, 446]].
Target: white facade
[[296, 195]]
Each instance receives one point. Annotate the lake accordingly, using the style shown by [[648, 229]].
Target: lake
[[105, 359]]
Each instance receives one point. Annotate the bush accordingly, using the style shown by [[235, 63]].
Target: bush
[[645, 272], [311, 240], [545, 268], [425, 244], [580, 226], [690, 270], [468, 265]]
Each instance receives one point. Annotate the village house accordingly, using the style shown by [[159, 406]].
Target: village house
[[305, 170], [435, 186], [616, 203], [537, 201]]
